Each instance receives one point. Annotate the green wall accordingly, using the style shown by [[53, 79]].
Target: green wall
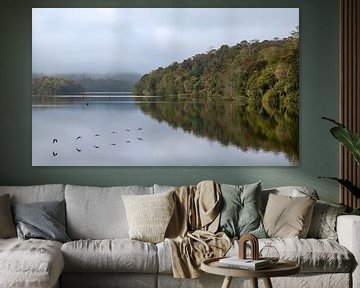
[[319, 97]]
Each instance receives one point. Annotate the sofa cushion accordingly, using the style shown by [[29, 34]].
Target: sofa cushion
[[313, 255], [240, 210], [149, 215], [98, 213], [30, 263], [291, 191], [36, 193], [7, 226], [43, 220], [163, 188], [109, 280], [117, 255], [287, 216], [323, 222]]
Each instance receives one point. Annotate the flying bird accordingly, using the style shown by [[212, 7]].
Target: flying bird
[[77, 149], [139, 138], [96, 146], [55, 140], [113, 132], [128, 141], [54, 154], [139, 129], [127, 130], [113, 144], [77, 138], [96, 135]]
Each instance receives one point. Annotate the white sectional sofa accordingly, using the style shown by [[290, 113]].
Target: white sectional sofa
[[101, 254]]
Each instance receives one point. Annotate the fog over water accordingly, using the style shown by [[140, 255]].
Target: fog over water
[[89, 40]]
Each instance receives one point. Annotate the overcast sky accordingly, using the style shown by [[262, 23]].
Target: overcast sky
[[72, 40]]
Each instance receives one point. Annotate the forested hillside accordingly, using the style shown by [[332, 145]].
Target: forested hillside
[[54, 86], [75, 83], [106, 85], [264, 71]]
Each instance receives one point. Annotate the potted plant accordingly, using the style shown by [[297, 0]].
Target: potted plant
[[351, 141]]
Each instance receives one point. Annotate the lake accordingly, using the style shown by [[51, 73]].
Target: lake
[[119, 129]]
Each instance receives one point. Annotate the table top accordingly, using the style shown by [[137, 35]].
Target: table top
[[281, 268]]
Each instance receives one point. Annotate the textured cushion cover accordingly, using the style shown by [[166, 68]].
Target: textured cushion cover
[[98, 212], [313, 255], [287, 216], [240, 213], [34, 193], [109, 280], [7, 226], [44, 220], [117, 255], [293, 191], [149, 215], [323, 223], [32, 263]]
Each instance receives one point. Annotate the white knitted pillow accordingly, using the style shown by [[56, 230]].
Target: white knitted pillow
[[149, 215]]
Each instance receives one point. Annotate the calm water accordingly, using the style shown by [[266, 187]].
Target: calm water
[[129, 131]]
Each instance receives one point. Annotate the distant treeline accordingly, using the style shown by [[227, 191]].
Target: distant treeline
[[263, 71], [77, 83], [106, 85], [54, 86]]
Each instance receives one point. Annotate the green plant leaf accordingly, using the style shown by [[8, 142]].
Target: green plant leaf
[[355, 211], [348, 138], [347, 184]]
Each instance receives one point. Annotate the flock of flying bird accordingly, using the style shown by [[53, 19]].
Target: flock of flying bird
[[55, 140]]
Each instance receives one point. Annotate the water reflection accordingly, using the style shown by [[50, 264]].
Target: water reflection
[[249, 127], [156, 131]]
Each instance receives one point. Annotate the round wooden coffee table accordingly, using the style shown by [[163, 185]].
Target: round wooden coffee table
[[281, 268]]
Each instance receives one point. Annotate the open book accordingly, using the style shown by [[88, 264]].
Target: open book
[[236, 262]]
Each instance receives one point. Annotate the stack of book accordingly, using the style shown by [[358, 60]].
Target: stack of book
[[248, 264]]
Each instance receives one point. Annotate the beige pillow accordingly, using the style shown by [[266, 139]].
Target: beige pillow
[[288, 217], [7, 226], [149, 215]]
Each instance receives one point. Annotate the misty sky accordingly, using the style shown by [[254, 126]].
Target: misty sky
[[77, 40]]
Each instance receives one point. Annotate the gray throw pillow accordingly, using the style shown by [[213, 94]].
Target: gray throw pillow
[[323, 222], [7, 227], [44, 220], [240, 213]]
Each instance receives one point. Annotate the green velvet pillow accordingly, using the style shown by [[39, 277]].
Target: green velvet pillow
[[240, 212]]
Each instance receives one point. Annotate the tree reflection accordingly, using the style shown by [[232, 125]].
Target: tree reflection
[[248, 126]]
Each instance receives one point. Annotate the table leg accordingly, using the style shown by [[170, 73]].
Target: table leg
[[267, 283], [254, 282], [227, 282]]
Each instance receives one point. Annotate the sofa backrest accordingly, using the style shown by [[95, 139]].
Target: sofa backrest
[[98, 212], [36, 193], [163, 188], [293, 191]]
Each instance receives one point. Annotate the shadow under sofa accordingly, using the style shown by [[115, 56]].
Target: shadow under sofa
[[102, 255]]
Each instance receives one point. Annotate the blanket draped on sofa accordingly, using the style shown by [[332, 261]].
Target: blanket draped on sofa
[[191, 231]]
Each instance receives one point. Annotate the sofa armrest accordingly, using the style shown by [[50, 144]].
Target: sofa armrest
[[348, 230]]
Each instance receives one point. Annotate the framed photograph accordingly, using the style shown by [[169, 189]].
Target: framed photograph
[[165, 87]]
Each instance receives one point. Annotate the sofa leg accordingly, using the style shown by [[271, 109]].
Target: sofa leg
[[254, 282]]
